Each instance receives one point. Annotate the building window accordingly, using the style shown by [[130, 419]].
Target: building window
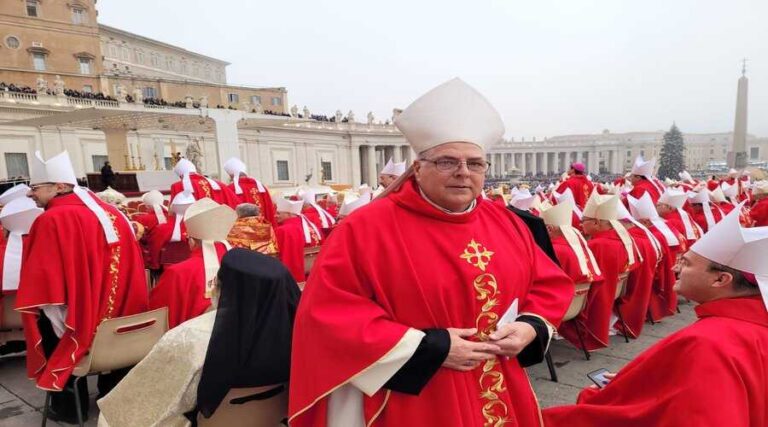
[[711, 151], [113, 51], [126, 54], [629, 153], [16, 165], [277, 101], [282, 170], [327, 170], [38, 61], [139, 57], [32, 6], [255, 99], [155, 60], [207, 73], [754, 153], [233, 98], [85, 65], [170, 64], [184, 67], [88, 89], [12, 42], [148, 92], [78, 16], [98, 161]]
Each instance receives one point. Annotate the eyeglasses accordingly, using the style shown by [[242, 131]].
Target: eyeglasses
[[36, 186], [450, 164]]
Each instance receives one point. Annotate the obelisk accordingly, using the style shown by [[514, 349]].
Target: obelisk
[[737, 157]]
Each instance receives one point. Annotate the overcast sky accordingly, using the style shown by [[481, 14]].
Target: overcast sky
[[550, 67]]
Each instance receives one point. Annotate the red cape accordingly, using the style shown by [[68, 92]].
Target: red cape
[[634, 304], [711, 373], [580, 186], [251, 194], [663, 301], [158, 238], [429, 270], [594, 321], [95, 280], [644, 186], [181, 288], [759, 213], [290, 241], [202, 188]]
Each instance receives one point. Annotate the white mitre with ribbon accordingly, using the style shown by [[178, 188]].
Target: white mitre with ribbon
[[179, 206], [17, 217], [310, 197], [606, 208], [58, 169], [743, 249], [560, 216], [154, 200], [352, 203], [184, 168], [15, 192], [643, 208], [294, 207], [210, 223]]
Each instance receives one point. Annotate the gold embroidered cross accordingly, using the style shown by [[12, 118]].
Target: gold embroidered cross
[[477, 255]]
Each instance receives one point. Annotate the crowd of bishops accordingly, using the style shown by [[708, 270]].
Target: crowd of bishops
[[201, 243]]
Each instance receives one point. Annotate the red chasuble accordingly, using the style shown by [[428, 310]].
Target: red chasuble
[[67, 260], [202, 188], [634, 304], [429, 270], [710, 374], [290, 240], [663, 301], [697, 214], [181, 288], [159, 237], [570, 264], [251, 194], [594, 321], [759, 213], [580, 186], [3, 293], [148, 220], [644, 186]]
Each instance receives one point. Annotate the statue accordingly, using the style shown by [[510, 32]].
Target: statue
[[258, 108], [42, 85], [338, 116], [294, 111], [370, 118], [121, 93], [194, 153], [351, 116], [204, 101], [138, 95], [58, 86], [395, 112], [189, 102], [306, 113], [308, 177]]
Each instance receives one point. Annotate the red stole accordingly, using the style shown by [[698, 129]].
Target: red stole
[[95, 280], [251, 194], [612, 259], [429, 270], [634, 304], [181, 288], [158, 238], [202, 188], [711, 373], [580, 186]]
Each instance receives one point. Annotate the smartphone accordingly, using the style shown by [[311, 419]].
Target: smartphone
[[598, 377]]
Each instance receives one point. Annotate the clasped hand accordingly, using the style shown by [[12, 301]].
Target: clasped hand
[[508, 340]]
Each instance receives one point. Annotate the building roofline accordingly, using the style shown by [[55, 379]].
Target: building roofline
[[170, 46]]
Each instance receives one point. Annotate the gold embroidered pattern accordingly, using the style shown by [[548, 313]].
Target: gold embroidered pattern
[[495, 411], [206, 189], [114, 272], [478, 256]]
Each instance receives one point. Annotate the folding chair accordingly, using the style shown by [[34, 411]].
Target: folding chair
[[11, 326], [578, 303], [621, 290], [118, 343], [253, 407]]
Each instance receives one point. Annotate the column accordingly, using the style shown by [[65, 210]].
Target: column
[[503, 163], [397, 154], [355, 162], [372, 178], [226, 136], [117, 148], [534, 164], [592, 165], [523, 164]]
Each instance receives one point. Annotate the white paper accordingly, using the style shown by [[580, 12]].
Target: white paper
[[509, 316]]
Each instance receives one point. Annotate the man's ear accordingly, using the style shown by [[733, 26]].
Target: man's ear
[[723, 279]]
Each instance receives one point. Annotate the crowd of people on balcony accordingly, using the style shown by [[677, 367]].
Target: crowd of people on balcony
[[18, 89]]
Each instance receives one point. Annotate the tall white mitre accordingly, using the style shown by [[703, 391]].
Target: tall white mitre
[[289, 206], [743, 249], [703, 198], [685, 176], [184, 168], [17, 217], [58, 169], [643, 208], [560, 216], [351, 204], [15, 192], [606, 207], [209, 222], [523, 200], [643, 167], [451, 112], [395, 169], [676, 200]]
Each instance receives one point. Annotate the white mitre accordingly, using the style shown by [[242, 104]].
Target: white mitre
[[606, 207], [17, 217], [209, 222], [643, 208], [351, 204], [451, 112], [743, 249], [15, 192], [560, 216]]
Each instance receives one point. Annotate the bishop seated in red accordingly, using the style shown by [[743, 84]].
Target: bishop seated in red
[[201, 186]]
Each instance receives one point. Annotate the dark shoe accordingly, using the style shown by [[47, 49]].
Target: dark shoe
[[70, 417], [12, 347]]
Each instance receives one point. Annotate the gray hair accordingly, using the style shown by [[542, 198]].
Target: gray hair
[[247, 209]]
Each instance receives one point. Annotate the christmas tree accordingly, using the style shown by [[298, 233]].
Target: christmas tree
[[672, 154]]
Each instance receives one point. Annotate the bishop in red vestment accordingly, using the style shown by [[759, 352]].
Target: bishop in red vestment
[[578, 183], [248, 190], [201, 186], [447, 271], [634, 304], [759, 212]]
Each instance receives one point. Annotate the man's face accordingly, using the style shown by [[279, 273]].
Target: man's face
[[634, 179], [590, 226], [571, 172], [451, 188], [386, 180], [43, 193], [695, 277], [282, 216], [663, 209]]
